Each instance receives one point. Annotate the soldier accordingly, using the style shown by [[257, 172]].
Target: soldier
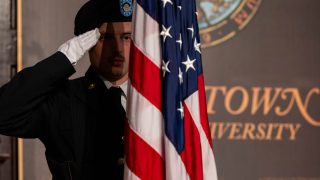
[[80, 121]]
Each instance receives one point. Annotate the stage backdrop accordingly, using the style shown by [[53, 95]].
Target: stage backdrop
[[261, 63], [262, 70]]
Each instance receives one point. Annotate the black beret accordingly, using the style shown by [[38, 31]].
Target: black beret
[[95, 12]]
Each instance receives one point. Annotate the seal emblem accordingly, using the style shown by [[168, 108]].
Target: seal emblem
[[220, 20]]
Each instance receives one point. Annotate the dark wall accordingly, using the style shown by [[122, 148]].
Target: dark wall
[[263, 94]]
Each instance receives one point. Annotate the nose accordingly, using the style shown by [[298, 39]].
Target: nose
[[117, 44]]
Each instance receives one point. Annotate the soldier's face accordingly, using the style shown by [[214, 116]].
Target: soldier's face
[[110, 56]]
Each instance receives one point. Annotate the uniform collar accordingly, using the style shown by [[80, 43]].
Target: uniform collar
[[123, 86]]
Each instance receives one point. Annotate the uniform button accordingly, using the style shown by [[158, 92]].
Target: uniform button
[[122, 138], [121, 161], [91, 86]]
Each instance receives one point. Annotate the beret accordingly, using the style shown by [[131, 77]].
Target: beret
[[95, 12]]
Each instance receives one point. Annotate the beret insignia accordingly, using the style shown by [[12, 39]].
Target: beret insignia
[[126, 7]]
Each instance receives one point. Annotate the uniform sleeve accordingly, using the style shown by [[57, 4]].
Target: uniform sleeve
[[23, 99]]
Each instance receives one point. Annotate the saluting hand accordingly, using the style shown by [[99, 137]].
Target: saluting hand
[[76, 47]]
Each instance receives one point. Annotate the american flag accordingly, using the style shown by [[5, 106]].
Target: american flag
[[167, 134]]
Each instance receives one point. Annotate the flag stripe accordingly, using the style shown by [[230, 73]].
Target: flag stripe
[[146, 79], [147, 39], [128, 174], [145, 133], [146, 120], [192, 153], [150, 7], [141, 158], [203, 109], [175, 167], [209, 167]]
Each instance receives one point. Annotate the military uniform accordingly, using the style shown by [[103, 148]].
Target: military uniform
[[75, 119]]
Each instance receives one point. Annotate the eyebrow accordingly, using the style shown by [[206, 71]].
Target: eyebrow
[[107, 33], [113, 33], [126, 33]]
